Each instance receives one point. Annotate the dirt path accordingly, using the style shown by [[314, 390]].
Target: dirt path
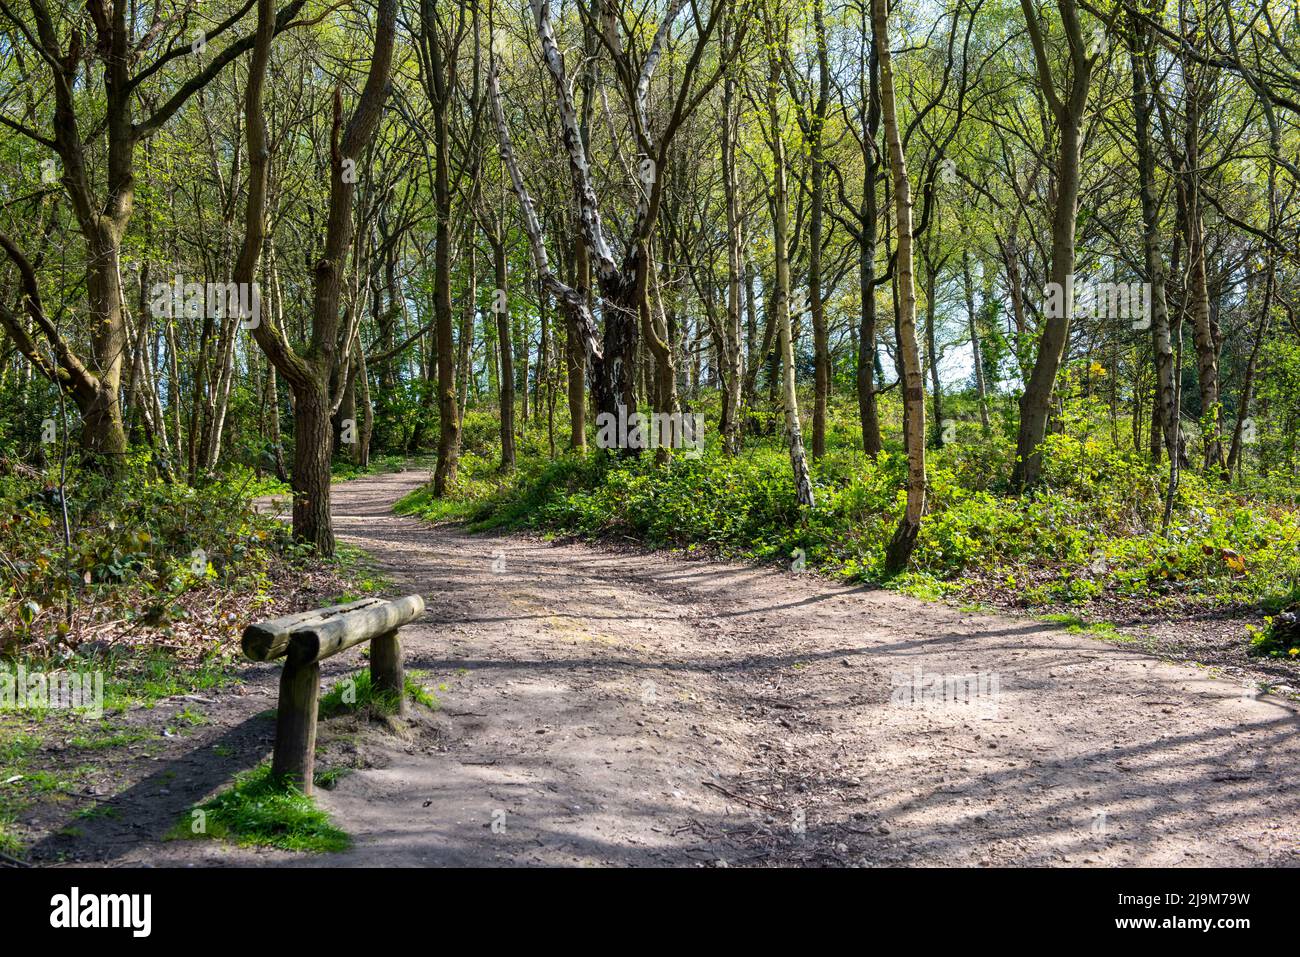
[[605, 707]]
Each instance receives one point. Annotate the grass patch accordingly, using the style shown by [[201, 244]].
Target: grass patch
[[479, 486], [21, 784], [185, 721], [114, 739], [145, 678], [12, 802], [260, 810], [330, 778], [345, 471], [17, 749], [1078, 626], [9, 843], [355, 694], [922, 585], [47, 782]]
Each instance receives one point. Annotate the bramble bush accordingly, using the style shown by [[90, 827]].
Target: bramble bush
[[134, 546]]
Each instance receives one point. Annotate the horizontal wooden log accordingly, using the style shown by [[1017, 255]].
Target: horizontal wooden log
[[318, 640], [267, 640]]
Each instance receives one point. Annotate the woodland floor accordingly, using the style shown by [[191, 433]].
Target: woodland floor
[[616, 707]]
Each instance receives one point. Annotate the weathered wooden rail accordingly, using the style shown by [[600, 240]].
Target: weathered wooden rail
[[308, 638]]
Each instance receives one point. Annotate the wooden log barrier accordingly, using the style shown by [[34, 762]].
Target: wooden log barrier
[[267, 640], [308, 638]]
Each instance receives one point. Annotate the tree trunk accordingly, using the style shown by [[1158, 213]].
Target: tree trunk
[[1205, 332], [899, 551], [1164, 411], [817, 188], [311, 467], [931, 345], [1036, 402], [309, 375], [444, 473], [465, 341], [501, 309], [868, 415], [781, 229], [575, 357], [972, 318], [730, 416]]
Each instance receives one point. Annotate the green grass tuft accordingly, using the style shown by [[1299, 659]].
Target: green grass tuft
[[118, 739], [330, 778], [259, 810], [9, 843], [355, 693], [1078, 626]]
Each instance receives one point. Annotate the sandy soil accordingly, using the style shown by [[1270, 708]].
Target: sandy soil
[[610, 707]]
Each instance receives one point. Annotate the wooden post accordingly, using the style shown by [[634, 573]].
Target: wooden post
[[386, 674], [295, 724]]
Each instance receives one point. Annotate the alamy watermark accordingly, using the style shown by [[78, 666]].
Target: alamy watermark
[[977, 690], [75, 910], [657, 430], [213, 300], [1130, 301], [79, 692]]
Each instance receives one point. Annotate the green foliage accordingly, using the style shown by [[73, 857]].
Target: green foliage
[[355, 694], [146, 677], [135, 546], [18, 748], [9, 842], [329, 778], [1279, 638], [1077, 625], [107, 741], [479, 485], [261, 810], [345, 470], [480, 433], [22, 781], [252, 484]]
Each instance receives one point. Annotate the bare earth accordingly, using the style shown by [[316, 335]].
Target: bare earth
[[610, 707]]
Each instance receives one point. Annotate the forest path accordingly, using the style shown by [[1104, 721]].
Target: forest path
[[614, 707]]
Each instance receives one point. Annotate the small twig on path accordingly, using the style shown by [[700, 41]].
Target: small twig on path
[[755, 802]]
